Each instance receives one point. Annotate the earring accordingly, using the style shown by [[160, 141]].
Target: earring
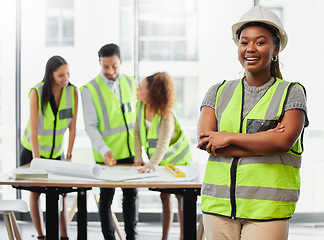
[[275, 58]]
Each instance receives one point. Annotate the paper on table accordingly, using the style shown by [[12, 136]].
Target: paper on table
[[129, 173], [123, 173], [192, 172], [69, 168]]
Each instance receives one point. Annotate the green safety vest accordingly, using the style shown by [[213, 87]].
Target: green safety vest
[[255, 188], [50, 134], [116, 120], [178, 153]]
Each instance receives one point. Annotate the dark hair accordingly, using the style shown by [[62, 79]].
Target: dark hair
[[51, 66], [109, 50], [161, 94], [274, 67]]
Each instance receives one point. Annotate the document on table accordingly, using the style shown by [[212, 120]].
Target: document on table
[[129, 173], [76, 169], [29, 173], [59, 170], [123, 173]]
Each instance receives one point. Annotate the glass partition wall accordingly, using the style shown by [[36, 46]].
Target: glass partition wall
[[191, 40], [7, 92]]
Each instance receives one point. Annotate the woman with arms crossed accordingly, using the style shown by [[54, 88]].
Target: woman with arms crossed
[[252, 183], [159, 132], [53, 109]]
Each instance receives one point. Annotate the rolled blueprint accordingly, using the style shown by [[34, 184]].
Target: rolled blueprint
[[68, 168]]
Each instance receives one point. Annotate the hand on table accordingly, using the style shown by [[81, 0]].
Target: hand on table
[[146, 169], [109, 159]]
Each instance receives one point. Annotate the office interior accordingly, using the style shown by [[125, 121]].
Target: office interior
[[189, 39]]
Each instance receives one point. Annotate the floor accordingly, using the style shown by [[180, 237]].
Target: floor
[[147, 231], [152, 231]]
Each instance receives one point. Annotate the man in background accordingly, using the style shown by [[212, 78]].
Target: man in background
[[109, 115]]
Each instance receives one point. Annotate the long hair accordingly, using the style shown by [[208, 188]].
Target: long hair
[[51, 66], [275, 69], [161, 95]]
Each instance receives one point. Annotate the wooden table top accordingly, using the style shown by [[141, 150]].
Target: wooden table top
[[6, 179]]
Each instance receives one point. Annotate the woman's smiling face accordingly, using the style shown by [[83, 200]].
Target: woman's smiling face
[[256, 49], [142, 91], [61, 76]]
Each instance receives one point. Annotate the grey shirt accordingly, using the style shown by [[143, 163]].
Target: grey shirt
[[296, 98], [90, 115]]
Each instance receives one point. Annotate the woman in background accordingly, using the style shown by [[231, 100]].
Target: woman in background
[[159, 132], [53, 109]]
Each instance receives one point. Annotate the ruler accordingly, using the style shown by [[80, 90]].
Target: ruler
[[174, 170]]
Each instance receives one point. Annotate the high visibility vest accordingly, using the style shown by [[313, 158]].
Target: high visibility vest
[[51, 128], [255, 188], [178, 153], [116, 120]]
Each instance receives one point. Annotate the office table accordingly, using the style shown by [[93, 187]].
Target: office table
[[189, 191]]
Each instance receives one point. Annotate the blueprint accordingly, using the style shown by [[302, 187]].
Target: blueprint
[[129, 173]]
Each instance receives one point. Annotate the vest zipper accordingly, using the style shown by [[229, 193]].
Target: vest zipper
[[54, 133], [234, 166], [232, 187], [123, 110]]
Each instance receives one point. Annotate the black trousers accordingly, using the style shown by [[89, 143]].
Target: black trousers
[[130, 210]]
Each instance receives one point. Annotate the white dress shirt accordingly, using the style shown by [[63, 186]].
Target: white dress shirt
[[90, 115]]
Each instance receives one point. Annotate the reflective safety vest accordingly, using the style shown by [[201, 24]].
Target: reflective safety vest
[[255, 188], [178, 153], [51, 128], [116, 120]]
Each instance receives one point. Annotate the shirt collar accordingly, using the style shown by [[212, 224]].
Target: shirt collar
[[258, 89], [108, 81]]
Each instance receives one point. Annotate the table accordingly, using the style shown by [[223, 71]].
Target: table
[[52, 188]]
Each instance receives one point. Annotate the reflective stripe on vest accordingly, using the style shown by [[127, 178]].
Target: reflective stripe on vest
[[248, 192], [110, 131], [261, 187], [178, 153], [45, 133], [44, 147], [293, 160], [116, 119]]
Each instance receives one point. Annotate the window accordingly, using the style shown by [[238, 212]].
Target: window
[[168, 30], [168, 42], [294, 70], [60, 23], [7, 92], [126, 29], [0, 85]]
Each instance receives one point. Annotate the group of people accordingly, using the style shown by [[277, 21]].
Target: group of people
[[251, 127], [118, 126]]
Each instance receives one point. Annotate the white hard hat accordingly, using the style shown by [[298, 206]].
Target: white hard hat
[[262, 15]]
